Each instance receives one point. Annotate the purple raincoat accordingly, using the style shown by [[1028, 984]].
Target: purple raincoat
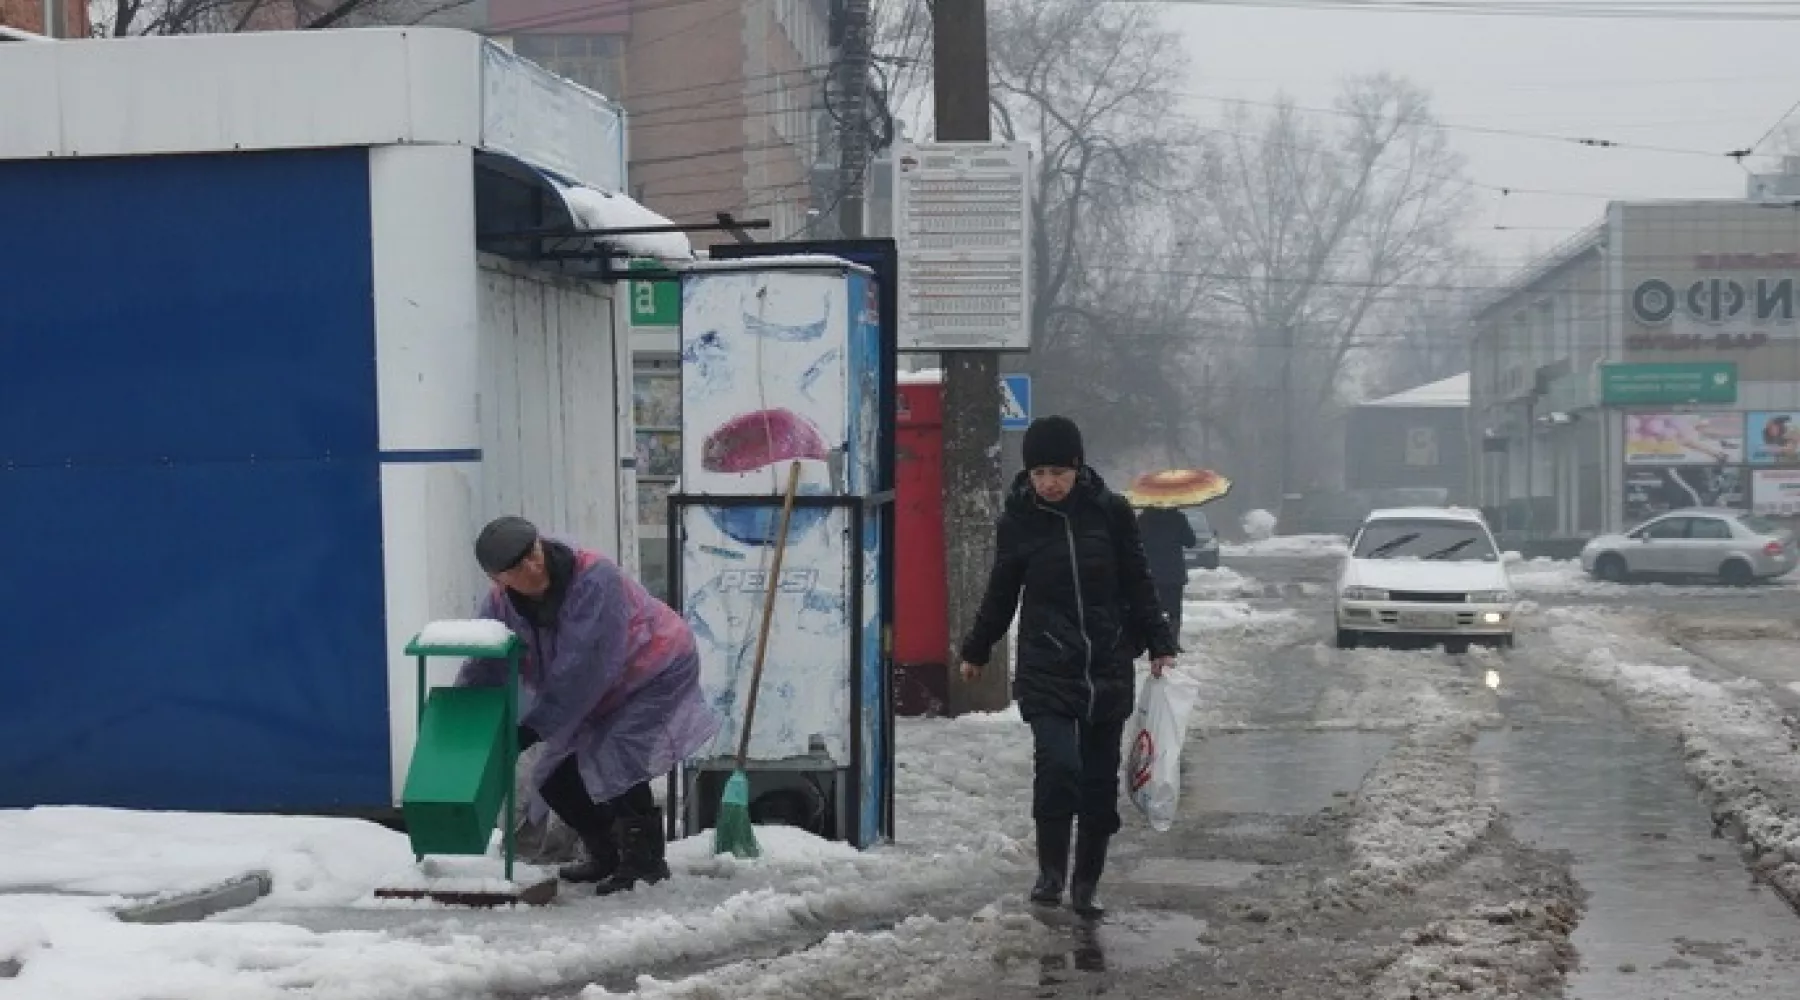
[[615, 683]]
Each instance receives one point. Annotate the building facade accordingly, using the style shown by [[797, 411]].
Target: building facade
[[67, 18], [1417, 439], [1653, 362], [726, 100]]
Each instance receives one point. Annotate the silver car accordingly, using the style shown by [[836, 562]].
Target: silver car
[[1732, 545]]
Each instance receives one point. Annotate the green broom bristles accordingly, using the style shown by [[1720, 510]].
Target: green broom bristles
[[733, 834]]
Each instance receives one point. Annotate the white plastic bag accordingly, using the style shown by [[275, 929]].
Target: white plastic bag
[[1153, 771]]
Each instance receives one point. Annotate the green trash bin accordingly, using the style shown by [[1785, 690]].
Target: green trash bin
[[463, 762]]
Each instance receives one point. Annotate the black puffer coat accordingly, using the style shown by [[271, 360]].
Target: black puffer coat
[[1089, 609]]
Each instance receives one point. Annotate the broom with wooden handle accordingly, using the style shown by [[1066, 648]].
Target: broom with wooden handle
[[733, 833]]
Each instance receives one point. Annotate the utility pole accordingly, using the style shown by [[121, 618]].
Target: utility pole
[[972, 480], [853, 121]]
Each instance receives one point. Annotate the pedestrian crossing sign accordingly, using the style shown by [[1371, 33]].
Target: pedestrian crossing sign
[[1015, 402]]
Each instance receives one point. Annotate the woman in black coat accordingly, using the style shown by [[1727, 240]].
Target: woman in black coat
[[1089, 609]]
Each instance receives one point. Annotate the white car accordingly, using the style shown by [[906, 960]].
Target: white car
[[1427, 572]]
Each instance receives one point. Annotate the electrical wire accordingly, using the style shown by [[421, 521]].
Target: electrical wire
[[1651, 10]]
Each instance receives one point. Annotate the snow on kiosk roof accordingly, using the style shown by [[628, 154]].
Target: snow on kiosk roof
[[364, 87]]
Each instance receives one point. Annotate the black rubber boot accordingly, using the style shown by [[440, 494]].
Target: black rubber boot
[[641, 856], [602, 859], [1053, 861], [1090, 861]]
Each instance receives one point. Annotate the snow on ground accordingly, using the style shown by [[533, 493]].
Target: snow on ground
[[1392, 689], [1213, 584], [963, 788], [1315, 546], [111, 854], [921, 957], [1565, 577], [1417, 813], [1499, 950], [1738, 744], [1206, 618]]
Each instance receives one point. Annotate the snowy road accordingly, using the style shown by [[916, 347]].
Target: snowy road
[[1398, 824], [1601, 813]]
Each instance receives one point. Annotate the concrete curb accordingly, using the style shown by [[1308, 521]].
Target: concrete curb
[[198, 904]]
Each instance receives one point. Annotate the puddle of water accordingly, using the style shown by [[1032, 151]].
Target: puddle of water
[[1671, 912], [1126, 941], [1209, 873], [1278, 773]]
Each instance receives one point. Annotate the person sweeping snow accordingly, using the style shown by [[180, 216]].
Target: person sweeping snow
[[610, 684], [1089, 609]]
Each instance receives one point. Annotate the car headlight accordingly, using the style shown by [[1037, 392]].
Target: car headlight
[[1490, 597], [1365, 594]]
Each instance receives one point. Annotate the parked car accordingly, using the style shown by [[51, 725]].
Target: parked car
[[1206, 554], [1425, 572], [1735, 546]]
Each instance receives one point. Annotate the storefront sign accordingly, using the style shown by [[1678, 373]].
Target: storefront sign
[[1649, 492], [1684, 438], [1775, 492], [1773, 438], [1656, 301], [1695, 341], [1665, 384]]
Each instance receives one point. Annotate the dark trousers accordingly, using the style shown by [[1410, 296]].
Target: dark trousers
[[1075, 771], [568, 797], [1168, 594]]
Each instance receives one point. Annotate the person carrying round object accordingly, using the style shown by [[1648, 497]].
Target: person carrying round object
[[610, 684], [1070, 547], [1166, 530]]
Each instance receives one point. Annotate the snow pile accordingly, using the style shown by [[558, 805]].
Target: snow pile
[[1291, 546], [1390, 689], [1566, 577], [1258, 525], [118, 854], [479, 632], [1203, 617], [599, 210], [1738, 745], [1500, 951], [963, 790], [1213, 584], [1416, 815], [1554, 576], [921, 957], [459, 874]]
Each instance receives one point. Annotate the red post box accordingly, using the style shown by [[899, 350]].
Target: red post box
[[921, 634]]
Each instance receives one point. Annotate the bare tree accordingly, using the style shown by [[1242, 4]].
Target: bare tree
[[1322, 221], [1426, 335]]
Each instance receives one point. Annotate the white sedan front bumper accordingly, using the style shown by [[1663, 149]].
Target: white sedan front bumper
[[1406, 618]]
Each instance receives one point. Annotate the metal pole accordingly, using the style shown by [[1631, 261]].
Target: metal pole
[[972, 479], [853, 120], [512, 756]]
